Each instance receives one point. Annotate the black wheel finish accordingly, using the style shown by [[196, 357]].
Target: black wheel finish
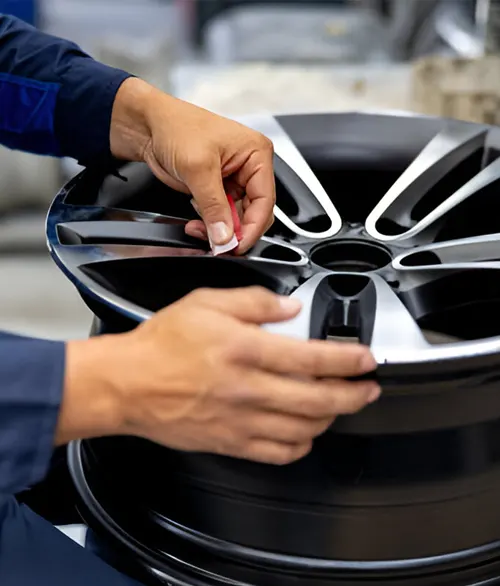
[[388, 230]]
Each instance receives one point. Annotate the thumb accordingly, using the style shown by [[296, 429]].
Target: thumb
[[250, 304], [208, 192]]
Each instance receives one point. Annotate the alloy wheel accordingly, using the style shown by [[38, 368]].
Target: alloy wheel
[[388, 231]]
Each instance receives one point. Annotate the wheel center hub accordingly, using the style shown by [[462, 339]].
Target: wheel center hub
[[352, 256]]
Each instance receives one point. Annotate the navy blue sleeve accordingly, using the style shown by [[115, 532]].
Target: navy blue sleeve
[[54, 98], [31, 388]]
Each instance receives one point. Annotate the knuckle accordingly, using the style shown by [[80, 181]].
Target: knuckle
[[307, 432], [322, 426], [289, 430], [222, 352], [201, 295], [304, 449], [293, 453], [285, 455], [342, 403], [243, 393], [351, 398], [257, 290], [351, 357], [239, 444], [316, 362], [230, 444], [265, 298], [314, 407], [246, 353], [316, 358], [265, 143]]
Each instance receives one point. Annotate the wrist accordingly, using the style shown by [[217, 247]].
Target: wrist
[[130, 132], [91, 404]]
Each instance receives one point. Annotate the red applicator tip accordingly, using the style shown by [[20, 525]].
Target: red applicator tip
[[236, 219]]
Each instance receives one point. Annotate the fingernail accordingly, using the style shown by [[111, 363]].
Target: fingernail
[[368, 363], [290, 304], [218, 233], [374, 394], [218, 249]]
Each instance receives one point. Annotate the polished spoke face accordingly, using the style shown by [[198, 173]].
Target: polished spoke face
[[384, 322], [387, 326], [300, 180], [317, 299], [445, 152], [478, 252]]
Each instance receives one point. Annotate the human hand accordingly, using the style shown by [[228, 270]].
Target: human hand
[[202, 376], [195, 151]]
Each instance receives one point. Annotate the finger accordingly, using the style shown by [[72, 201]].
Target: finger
[[312, 358], [312, 399], [196, 229], [240, 251], [278, 454], [281, 428], [257, 176], [250, 304], [205, 183]]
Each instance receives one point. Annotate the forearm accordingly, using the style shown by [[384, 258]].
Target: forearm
[[55, 99], [92, 398]]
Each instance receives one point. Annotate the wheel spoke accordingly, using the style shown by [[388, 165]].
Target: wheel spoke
[[276, 251], [63, 213], [126, 232], [317, 299], [85, 254], [297, 176], [386, 324], [109, 271], [478, 252], [443, 153]]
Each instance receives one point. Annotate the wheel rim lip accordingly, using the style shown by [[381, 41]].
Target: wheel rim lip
[[434, 357], [267, 561]]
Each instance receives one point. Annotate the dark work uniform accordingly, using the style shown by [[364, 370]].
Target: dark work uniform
[[54, 100]]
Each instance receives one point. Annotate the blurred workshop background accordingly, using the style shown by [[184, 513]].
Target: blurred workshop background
[[236, 57]]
